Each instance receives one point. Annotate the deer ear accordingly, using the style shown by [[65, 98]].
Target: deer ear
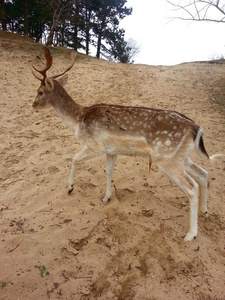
[[63, 79], [49, 84]]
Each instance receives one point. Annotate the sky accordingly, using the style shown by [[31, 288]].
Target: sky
[[167, 41]]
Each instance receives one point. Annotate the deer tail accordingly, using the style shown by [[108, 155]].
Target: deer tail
[[200, 147]]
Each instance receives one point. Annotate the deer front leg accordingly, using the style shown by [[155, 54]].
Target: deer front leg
[[110, 163], [84, 154]]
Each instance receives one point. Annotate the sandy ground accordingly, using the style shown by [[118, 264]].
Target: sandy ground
[[59, 246]]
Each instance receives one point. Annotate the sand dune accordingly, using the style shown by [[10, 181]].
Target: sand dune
[[59, 246]]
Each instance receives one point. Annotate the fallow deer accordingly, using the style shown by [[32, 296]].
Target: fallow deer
[[166, 137]]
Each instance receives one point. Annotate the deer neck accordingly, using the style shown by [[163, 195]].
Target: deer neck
[[66, 108]]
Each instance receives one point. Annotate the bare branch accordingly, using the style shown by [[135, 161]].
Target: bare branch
[[199, 10]]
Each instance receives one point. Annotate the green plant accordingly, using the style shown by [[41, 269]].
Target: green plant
[[4, 284], [42, 269]]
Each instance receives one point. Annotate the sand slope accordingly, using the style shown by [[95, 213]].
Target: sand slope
[[131, 248]]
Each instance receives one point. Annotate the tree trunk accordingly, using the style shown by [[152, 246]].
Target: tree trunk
[[99, 43], [57, 12], [50, 36], [3, 15], [87, 42], [77, 17], [87, 25], [26, 26]]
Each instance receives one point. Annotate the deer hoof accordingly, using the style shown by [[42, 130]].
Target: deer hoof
[[106, 199], [206, 214], [70, 189], [189, 237]]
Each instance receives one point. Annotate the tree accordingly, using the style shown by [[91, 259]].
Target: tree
[[14, 16], [119, 49], [26, 16], [2, 15], [200, 10], [76, 24], [57, 8], [38, 17], [128, 51], [22, 16], [108, 15], [88, 11]]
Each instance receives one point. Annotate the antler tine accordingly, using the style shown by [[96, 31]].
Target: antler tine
[[73, 56], [37, 76], [48, 58]]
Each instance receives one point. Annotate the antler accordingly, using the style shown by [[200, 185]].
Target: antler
[[73, 56], [47, 67], [49, 64]]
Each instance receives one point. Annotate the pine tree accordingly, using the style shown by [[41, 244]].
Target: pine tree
[[108, 15], [77, 24]]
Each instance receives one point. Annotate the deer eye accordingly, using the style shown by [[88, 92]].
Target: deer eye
[[40, 93]]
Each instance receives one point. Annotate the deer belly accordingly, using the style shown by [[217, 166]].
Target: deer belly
[[123, 145]]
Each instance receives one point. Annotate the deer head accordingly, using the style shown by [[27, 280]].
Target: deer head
[[45, 92]]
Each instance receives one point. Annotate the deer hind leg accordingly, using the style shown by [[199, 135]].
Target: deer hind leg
[[200, 175], [190, 188], [84, 154], [110, 163]]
